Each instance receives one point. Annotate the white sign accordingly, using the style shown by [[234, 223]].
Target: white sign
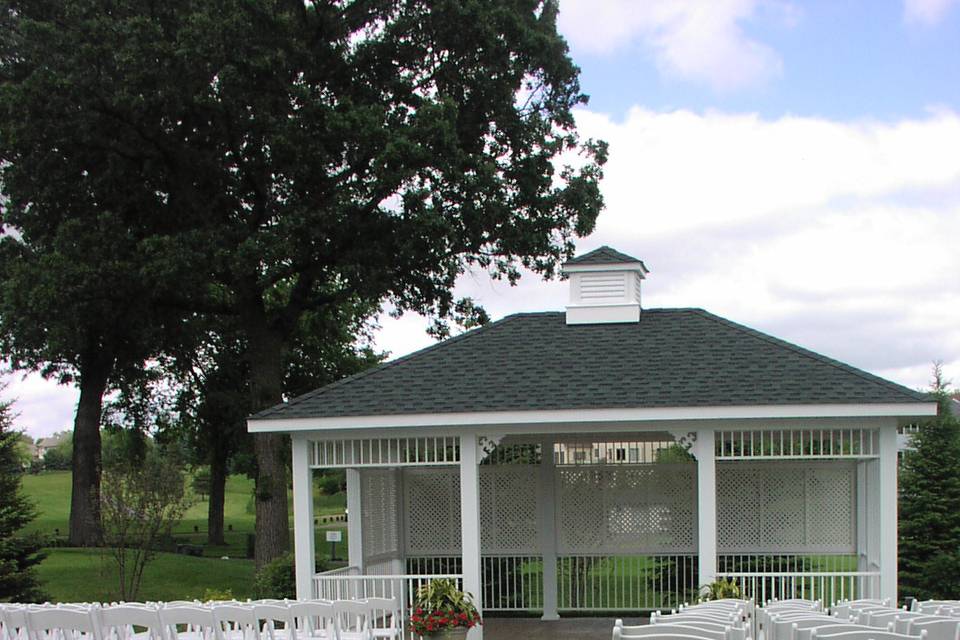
[[334, 536]]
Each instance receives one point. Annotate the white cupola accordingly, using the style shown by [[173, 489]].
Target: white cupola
[[604, 287]]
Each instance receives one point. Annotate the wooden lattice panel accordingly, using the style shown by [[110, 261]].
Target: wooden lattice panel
[[627, 509], [786, 507]]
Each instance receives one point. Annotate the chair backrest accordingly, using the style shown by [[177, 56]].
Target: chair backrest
[[270, 614], [314, 618], [863, 634], [947, 629], [196, 622], [13, 620], [353, 616], [122, 622], [385, 613], [830, 629], [618, 635], [781, 628], [236, 622], [646, 631], [61, 623]]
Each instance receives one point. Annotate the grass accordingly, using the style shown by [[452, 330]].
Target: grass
[[87, 575]]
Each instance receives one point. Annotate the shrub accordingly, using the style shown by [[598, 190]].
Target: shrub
[[277, 579]]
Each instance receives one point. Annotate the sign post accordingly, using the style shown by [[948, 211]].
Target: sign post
[[333, 537]]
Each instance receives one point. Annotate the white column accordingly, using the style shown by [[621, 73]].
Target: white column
[[547, 528], [705, 453], [888, 512], [303, 529], [470, 522], [354, 520]]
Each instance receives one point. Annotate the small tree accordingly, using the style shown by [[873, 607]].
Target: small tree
[[140, 505], [929, 550], [19, 554]]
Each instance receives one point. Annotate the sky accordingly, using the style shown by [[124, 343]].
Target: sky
[[794, 166]]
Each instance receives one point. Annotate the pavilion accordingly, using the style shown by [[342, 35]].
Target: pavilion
[[605, 457]]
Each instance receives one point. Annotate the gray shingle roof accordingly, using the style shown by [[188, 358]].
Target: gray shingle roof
[[535, 361], [604, 255]]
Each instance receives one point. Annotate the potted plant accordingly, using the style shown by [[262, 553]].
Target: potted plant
[[443, 611], [719, 589]]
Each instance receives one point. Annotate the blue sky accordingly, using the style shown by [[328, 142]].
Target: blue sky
[[794, 166], [827, 58]]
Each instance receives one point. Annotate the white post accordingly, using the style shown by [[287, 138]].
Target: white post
[[888, 512], [705, 453], [547, 527], [354, 520], [303, 529], [470, 522]]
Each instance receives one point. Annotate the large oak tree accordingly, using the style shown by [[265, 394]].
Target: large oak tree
[[321, 152]]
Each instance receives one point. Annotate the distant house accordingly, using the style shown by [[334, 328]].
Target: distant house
[[43, 445]]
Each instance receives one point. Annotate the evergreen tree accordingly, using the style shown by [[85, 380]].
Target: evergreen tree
[[19, 554], [930, 508]]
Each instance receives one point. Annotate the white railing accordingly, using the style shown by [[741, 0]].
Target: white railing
[[799, 444], [510, 582], [348, 584], [602, 582], [384, 452], [826, 586]]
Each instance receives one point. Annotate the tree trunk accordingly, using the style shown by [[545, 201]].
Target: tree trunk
[[85, 525], [218, 487], [272, 451]]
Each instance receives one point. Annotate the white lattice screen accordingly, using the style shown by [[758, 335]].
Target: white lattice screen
[[637, 509], [432, 504], [380, 505], [508, 510], [785, 507]]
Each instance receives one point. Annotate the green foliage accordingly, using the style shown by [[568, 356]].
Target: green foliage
[[719, 589], [333, 482], [929, 513], [19, 553], [214, 595], [201, 483], [440, 605], [277, 579], [674, 453]]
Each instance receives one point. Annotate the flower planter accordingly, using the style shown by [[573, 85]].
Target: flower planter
[[460, 633]]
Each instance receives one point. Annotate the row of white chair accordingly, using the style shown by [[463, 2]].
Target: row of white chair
[[714, 620], [369, 619], [937, 623]]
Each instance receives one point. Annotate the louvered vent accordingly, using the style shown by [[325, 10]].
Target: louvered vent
[[604, 287]]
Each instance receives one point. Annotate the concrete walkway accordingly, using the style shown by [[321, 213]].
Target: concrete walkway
[[563, 629]]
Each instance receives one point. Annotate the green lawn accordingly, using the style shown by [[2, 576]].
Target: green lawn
[[85, 575], [80, 574]]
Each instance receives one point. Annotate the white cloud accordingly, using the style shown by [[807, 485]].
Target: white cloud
[[698, 40], [840, 236], [926, 12]]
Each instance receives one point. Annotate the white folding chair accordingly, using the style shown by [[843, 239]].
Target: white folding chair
[[781, 627], [314, 619], [832, 629], [130, 622], [617, 635], [61, 623], [353, 619], [235, 622], [13, 622], [269, 614], [386, 619], [946, 629], [188, 623], [650, 631], [863, 634]]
